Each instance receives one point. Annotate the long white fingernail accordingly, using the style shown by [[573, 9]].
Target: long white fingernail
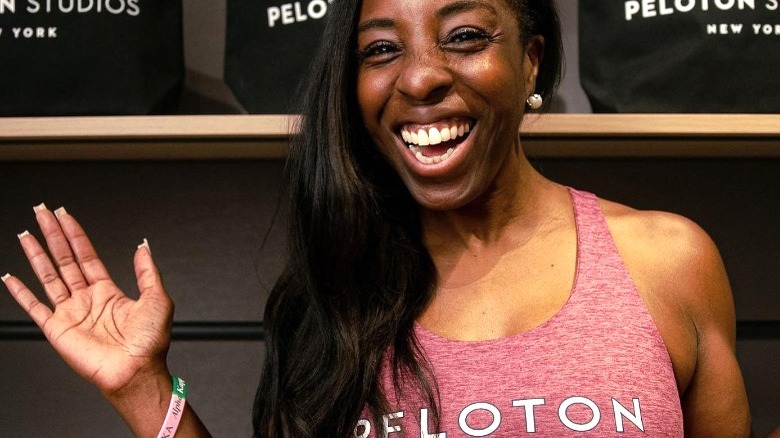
[[39, 207], [60, 212], [22, 234], [5, 277], [146, 245]]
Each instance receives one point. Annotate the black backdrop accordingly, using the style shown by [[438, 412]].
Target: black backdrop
[[658, 56], [90, 57], [268, 49]]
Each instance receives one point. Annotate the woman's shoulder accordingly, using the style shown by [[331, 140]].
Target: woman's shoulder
[[679, 273], [662, 244], [670, 255]]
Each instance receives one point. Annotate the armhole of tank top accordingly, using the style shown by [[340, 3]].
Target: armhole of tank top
[[634, 289]]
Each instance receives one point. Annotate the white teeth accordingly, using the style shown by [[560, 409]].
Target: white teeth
[[445, 134], [433, 136], [433, 160], [422, 138]]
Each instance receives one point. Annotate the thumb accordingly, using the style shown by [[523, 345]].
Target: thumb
[[149, 280]]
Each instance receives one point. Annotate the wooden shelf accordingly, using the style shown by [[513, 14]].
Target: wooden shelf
[[655, 125], [265, 136], [143, 127]]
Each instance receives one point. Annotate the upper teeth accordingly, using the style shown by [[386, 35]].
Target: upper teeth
[[432, 136]]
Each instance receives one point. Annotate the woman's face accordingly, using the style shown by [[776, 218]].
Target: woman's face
[[442, 86]]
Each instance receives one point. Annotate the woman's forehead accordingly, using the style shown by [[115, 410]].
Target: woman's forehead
[[427, 8]]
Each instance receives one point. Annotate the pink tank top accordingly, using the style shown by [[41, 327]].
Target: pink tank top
[[597, 368]]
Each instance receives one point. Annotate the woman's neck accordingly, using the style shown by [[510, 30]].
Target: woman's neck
[[510, 208]]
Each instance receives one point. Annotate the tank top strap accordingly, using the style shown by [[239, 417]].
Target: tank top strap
[[598, 259]]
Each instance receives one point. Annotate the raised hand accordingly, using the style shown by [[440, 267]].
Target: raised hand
[[107, 338], [117, 343]]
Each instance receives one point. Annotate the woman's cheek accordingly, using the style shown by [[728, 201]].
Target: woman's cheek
[[493, 78], [362, 95], [373, 87]]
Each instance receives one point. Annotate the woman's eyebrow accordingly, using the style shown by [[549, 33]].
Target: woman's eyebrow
[[464, 6], [376, 23], [448, 10]]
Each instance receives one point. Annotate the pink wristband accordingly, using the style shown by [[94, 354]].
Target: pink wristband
[[175, 409]]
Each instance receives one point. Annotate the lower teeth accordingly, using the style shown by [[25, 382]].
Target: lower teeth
[[431, 160]]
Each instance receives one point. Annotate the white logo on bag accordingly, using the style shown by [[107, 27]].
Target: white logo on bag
[[115, 7], [37, 7], [645, 9], [654, 8], [33, 32], [291, 13]]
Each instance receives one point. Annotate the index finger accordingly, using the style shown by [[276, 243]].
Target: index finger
[[86, 256]]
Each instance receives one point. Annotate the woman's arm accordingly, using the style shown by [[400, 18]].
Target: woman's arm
[[118, 344], [681, 277], [715, 403]]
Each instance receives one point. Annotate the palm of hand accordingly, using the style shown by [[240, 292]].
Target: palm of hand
[[106, 337]]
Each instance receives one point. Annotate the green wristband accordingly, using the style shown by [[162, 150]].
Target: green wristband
[[179, 387]]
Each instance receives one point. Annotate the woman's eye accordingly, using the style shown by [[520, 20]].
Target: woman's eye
[[467, 37], [378, 52]]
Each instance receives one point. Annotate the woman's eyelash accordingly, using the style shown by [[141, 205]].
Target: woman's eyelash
[[376, 49], [461, 36], [469, 34]]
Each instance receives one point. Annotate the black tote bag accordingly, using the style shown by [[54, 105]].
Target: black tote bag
[[689, 56], [90, 57], [269, 48]]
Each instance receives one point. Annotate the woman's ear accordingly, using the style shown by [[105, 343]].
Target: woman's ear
[[534, 52]]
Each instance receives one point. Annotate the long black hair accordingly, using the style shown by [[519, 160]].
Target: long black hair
[[358, 274]]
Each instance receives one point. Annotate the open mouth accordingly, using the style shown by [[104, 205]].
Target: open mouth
[[435, 143]]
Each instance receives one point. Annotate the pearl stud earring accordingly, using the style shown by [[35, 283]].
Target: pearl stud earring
[[535, 101]]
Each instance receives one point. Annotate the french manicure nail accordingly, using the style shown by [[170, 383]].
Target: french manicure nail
[[145, 244], [60, 212], [39, 207], [5, 277], [22, 234]]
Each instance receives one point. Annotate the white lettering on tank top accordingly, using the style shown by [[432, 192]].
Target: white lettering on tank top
[[622, 415]]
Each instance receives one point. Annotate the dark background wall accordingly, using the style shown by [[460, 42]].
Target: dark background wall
[[215, 235]]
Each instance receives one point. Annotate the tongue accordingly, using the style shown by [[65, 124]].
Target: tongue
[[436, 150]]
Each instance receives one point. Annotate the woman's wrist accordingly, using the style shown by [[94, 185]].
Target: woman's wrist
[[144, 402]]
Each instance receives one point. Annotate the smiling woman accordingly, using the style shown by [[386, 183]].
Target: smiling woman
[[459, 65], [444, 286], [437, 285]]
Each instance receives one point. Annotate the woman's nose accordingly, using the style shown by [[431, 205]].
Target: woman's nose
[[425, 78]]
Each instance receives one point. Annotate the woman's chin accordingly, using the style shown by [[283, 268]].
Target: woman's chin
[[441, 199]]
